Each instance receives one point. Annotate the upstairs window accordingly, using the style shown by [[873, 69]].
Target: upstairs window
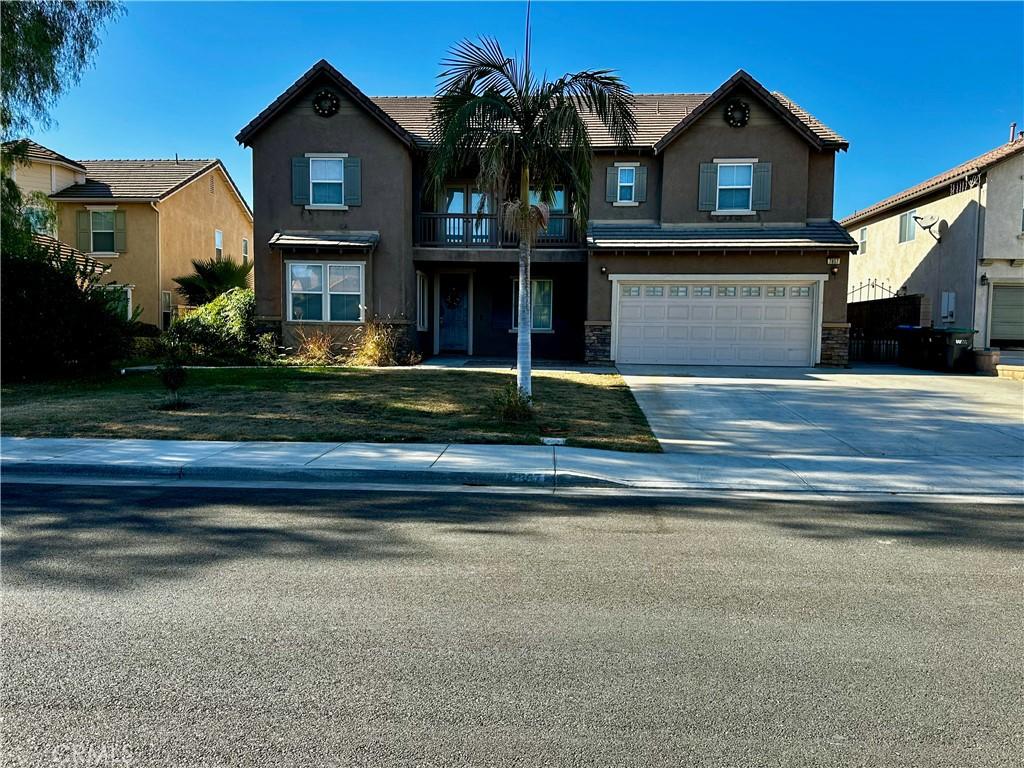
[[735, 181], [556, 226], [862, 240], [327, 180], [907, 226], [102, 231], [627, 184], [218, 244], [245, 250]]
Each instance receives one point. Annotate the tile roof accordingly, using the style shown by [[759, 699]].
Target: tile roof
[[656, 115], [409, 117], [346, 239], [64, 252], [133, 179], [36, 151], [975, 165], [824, 235]]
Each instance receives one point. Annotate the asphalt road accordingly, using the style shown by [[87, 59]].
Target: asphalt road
[[189, 627]]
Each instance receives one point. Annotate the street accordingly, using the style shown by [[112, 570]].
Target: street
[[183, 626]]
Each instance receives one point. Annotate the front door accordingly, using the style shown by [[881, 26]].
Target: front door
[[453, 313]]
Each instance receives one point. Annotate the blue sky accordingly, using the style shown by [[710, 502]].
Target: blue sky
[[916, 88]]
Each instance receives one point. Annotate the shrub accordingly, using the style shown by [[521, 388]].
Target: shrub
[[382, 342], [316, 347], [512, 405], [224, 330], [172, 375], [55, 320]]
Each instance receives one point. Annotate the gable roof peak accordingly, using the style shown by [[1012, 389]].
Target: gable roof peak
[[342, 83]]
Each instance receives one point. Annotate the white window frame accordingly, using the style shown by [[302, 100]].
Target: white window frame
[[748, 162], [325, 291], [112, 230], [245, 250], [862, 240], [422, 301], [218, 244], [515, 305], [619, 168], [911, 226], [310, 157]]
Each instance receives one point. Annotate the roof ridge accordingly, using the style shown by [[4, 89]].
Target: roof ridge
[[151, 160]]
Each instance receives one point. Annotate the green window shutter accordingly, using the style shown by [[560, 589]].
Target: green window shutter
[[761, 193], [120, 232], [300, 180], [708, 187], [611, 185], [353, 181], [640, 193], [84, 227]]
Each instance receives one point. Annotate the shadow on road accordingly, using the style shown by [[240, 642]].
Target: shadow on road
[[120, 538]]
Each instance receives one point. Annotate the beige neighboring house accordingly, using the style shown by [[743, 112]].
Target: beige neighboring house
[[44, 173], [148, 219], [957, 238]]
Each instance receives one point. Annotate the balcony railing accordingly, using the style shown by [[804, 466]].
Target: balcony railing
[[468, 230]]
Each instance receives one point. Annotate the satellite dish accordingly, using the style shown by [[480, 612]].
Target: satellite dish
[[927, 222]]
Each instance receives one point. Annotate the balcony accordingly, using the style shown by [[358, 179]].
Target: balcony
[[468, 230]]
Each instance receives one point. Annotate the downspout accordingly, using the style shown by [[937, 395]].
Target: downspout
[[159, 256], [977, 263]]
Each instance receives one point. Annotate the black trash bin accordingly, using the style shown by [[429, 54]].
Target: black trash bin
[[956, 345], [912, 351]]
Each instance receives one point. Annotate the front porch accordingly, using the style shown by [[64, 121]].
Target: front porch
[[468, 308]]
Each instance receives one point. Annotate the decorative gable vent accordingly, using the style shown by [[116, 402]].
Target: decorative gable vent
[[213, 188]]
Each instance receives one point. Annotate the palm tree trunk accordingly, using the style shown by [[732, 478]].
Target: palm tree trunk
[[523, 352]]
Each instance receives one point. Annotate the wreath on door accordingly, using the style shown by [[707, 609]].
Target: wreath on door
[[453, 299]]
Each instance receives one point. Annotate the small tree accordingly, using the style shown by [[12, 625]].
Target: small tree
[[211, 279], [491, 111]]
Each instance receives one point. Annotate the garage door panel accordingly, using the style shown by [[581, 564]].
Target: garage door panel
[[736, 323]]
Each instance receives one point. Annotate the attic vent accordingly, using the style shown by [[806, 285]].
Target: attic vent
[[212, 188]]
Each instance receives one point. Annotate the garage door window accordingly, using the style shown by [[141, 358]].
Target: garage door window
[[631, 290], [777, 292], [678, 291], [751, 291], [727, 290], [702, 290], [654, 290], [801, 290]]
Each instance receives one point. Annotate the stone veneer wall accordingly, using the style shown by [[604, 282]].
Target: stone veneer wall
[[835, 345], [597, 341]]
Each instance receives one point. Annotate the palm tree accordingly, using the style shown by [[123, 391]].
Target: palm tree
[[490, 111], [211, 278]]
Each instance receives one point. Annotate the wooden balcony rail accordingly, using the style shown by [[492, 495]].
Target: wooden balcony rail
[[469, 230]]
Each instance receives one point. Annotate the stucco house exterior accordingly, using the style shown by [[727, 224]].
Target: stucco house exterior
[[957, 238], [148, 219], [711, 237]]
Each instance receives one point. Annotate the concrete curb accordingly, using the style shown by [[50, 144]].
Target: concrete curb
[[299, 474]]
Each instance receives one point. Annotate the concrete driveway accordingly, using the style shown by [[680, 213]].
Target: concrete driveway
[[878, 411]]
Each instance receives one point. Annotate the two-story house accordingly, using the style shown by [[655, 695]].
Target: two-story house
[[711, 238], [957, 238], [145, 220]]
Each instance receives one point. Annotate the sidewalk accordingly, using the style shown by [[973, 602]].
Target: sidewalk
[[499, 465]]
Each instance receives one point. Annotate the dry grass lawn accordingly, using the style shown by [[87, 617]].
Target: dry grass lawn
[[352, 404]]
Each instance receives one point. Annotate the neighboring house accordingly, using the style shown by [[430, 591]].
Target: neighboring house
[[148, 219], [711, 237], [43, 173], [957, 238]]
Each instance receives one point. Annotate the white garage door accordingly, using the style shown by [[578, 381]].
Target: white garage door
[[721, 323]]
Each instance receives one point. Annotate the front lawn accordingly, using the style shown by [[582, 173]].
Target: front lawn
[[352, 404]]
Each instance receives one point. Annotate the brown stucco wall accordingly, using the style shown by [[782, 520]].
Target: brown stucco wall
[[138, 265], [821, 182], [601, 210], [188, 219], [765, 137], [599, 287], [386, 199]]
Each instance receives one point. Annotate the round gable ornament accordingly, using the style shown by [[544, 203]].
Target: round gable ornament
[[737, 113], [325, 103]]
